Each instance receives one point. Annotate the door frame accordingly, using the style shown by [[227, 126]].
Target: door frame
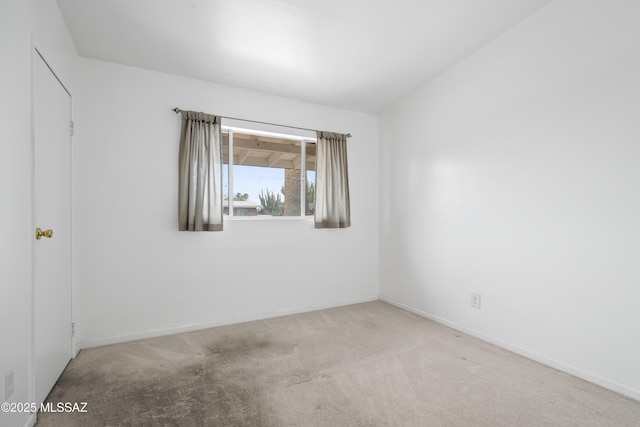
[[38, 53]]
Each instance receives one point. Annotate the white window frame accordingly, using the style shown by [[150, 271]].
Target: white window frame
[[230, 130]]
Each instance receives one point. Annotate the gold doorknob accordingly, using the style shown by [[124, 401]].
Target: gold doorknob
[[46, 233]]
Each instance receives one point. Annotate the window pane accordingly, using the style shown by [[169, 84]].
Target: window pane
[[266, 176], [257, 191], [265, 169], [310, 168], [225, 172], [225, 188]]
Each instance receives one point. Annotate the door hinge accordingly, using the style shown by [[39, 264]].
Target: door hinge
[[73, 329], [72, 127]]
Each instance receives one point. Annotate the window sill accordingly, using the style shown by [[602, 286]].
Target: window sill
[[268, 218]]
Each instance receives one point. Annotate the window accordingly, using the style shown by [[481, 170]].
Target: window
[[268, 175]]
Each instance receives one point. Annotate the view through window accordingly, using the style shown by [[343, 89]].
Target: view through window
[[268, 175]]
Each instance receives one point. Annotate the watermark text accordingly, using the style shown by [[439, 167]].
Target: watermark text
[[43, 407]]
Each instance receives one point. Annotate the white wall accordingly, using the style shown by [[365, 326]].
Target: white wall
[[138, 276], [19, 20], [515, 175]]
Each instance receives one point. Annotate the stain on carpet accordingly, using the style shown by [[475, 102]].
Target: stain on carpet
[[364, 365]]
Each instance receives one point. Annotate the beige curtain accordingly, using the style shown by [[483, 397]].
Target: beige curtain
[[200, 173], [332, 181]]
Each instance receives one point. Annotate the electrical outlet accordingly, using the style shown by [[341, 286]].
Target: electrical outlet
[[475, 300], [8, 384]]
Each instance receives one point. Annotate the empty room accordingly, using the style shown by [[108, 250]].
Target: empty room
[[320, 213]]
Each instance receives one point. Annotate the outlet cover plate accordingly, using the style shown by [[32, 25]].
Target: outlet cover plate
[[475, 300]]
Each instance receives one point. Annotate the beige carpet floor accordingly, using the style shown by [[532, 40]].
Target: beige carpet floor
[[362, 365]]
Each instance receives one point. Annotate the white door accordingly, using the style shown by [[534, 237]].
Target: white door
[[52, 211]]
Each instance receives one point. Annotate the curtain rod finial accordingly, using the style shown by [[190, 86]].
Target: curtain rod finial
[[177, 110]]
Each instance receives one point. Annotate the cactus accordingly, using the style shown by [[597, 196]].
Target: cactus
[[271, 202]]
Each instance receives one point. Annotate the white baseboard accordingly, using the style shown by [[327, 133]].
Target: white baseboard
[[576, 372], [222, 322]]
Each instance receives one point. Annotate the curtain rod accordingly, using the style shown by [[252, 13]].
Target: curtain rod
[[177, 110]]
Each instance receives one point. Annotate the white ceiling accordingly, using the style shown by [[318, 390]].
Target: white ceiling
[[357, 54]]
